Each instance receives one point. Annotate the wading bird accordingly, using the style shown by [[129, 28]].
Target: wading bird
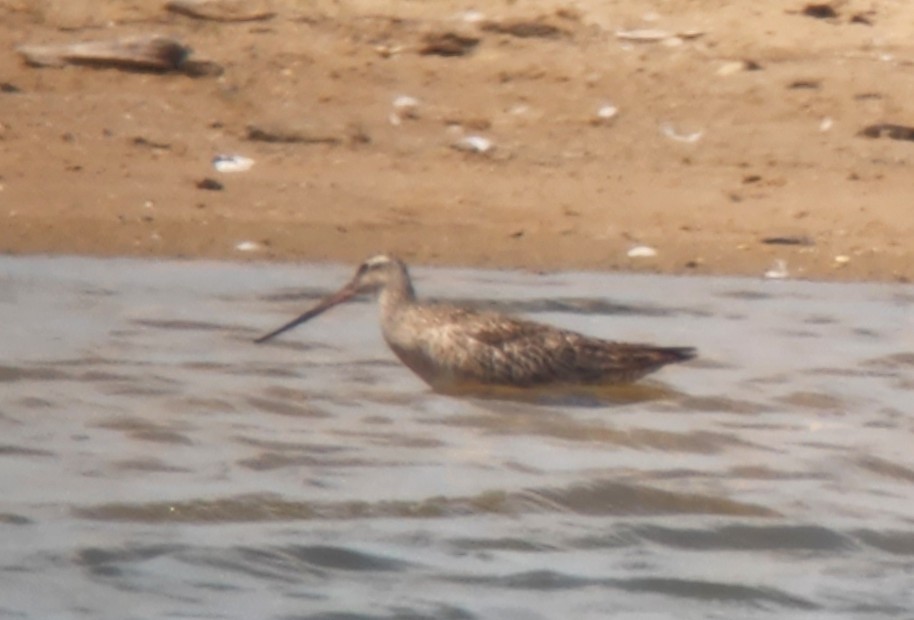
[[451, 347]]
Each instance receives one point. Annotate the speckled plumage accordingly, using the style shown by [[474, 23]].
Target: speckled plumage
[[448, 345]]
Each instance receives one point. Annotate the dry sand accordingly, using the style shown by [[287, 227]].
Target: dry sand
[[105, 161]]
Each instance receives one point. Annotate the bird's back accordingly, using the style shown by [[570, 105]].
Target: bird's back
[[447, 344]]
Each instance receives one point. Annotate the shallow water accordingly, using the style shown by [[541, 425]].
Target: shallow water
[[154, 463]]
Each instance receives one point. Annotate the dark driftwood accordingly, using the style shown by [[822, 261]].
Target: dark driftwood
[[448, 44], [149, 52], [888, 130], [143, 53]]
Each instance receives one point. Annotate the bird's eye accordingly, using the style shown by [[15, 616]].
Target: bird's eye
[[375, 264]]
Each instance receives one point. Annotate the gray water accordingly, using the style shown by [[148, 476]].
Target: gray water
[[154, 463]]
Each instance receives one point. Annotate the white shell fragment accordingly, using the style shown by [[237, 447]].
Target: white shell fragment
[[670, 132], [778, 270], [642, 251], [826, 124], [404, 107], [729, 68], [474, 144], [607, 111], [232, 163], [222, 10], [842, 259], [651, 35], [247, 246], [471, 17], [643, 35], [405, 104]]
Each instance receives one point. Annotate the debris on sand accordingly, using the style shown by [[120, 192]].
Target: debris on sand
[[222, 10], [788, 240], [232, 163], [650, 35], [524, 28], [888, 130], [143, 53], [820, 10], [280, 132], [474, 144], [404, 107], [778, 270], [642, 251], [295, 131], [247, 246], [805, 84], [673, 134], [471, 16], [644, 35], [738, 66], [151, 144], [448, 44], [210, 184], [605, 114]]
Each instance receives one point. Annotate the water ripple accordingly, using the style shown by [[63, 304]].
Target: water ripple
[[158, 463]]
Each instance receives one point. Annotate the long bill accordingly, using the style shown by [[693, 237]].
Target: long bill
[[344, 294]]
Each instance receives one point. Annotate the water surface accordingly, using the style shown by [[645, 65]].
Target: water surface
[[154, 463]]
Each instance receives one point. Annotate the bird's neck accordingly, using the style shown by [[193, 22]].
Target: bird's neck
[[397, 293]]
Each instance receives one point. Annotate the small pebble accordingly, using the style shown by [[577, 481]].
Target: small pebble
[[247, 246], [210, 184], [842, 259]]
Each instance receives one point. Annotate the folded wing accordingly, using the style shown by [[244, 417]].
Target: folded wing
[[501, 350]]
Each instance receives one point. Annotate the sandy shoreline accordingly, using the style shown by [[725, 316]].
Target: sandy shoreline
[[746, 128]]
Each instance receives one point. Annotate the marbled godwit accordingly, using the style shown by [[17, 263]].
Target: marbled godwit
[[449, 346]]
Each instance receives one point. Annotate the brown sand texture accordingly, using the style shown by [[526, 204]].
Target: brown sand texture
[[723, 136]]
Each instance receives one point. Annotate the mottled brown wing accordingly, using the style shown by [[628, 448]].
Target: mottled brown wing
[[518, 352]]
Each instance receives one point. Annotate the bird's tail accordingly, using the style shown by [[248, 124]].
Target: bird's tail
[[678, 354]]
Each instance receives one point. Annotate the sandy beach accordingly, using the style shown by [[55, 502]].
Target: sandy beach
[[543, 135]]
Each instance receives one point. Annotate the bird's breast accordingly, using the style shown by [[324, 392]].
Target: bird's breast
[[426, 344]]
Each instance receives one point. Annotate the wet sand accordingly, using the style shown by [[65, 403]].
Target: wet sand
[[747, 128]]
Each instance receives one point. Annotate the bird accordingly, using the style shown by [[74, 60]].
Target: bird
[[451, 346]]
